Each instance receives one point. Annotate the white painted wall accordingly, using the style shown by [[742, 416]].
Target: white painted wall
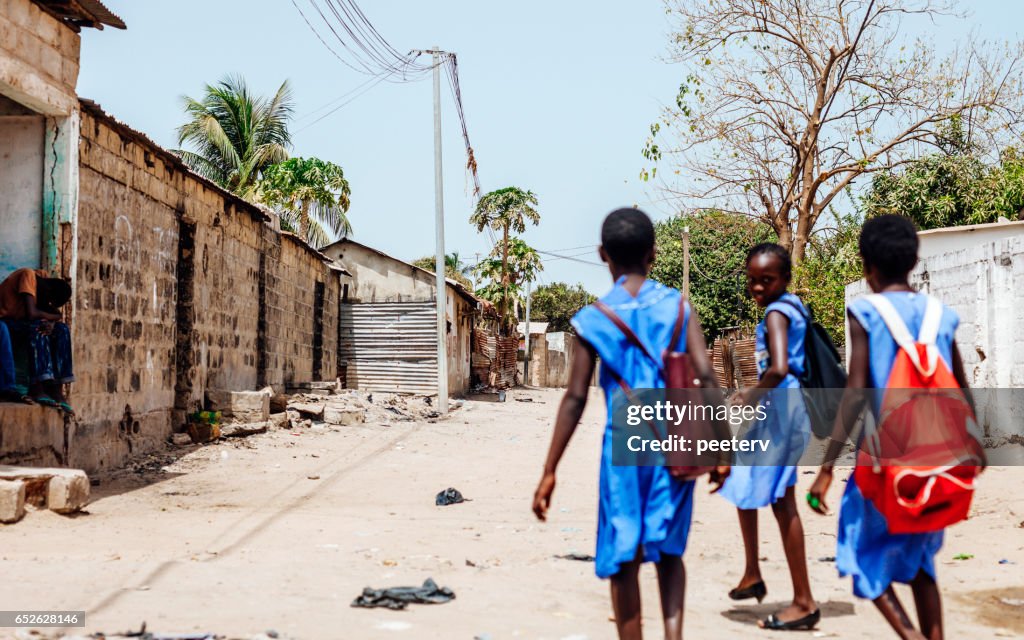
[[21, 192], [938, 241]]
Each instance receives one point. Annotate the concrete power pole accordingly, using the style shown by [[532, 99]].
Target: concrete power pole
[[439, 270], [526, 349], [686, 262]]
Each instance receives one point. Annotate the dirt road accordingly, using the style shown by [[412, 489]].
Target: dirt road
[[281, 531]]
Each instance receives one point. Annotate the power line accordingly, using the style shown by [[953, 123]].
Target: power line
[[572, 259], [368, 86]]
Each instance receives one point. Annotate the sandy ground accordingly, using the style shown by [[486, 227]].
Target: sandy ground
[[281, 531]]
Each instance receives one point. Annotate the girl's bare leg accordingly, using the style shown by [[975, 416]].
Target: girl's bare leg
[[626, 599], [892, 610], [748, 527], [792, 531], [672, 587], [929, 605]]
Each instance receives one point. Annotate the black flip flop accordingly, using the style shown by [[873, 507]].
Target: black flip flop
[[807, 622], [757, 590]]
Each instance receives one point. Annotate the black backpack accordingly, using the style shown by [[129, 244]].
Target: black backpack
[[823, 370]]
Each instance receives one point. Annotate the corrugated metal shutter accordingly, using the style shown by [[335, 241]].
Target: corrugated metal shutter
[[390, 346]]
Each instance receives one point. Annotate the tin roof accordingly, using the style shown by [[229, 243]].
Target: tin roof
[[454, 284], [82, 13]]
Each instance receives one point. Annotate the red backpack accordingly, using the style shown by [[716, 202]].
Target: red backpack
[[918, 465]]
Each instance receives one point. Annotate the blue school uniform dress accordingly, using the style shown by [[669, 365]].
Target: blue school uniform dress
[[758, 478], [865, 548], [637, 506]]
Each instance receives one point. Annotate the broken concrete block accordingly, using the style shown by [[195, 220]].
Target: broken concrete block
[[12, 500], [280, 420], [278, 403], [181, 439], [344, 416], [243, 429], [307, 409], [251, 406], [68, 492]]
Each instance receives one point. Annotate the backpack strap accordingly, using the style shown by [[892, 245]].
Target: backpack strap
[[677, 330], [901, 334], [626, 331], [803, 312]]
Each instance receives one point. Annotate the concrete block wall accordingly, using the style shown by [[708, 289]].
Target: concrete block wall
[[291, 301], [169, 301], [38, 58]]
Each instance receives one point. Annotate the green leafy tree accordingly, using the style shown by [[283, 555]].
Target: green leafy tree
[[832, 262], [236, 135], [946, 190], [312, 196], [454, 268], [506, 210], [557, 303], [718, 248]]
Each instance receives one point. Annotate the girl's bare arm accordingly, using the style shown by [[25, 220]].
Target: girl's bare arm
[[569, 412]]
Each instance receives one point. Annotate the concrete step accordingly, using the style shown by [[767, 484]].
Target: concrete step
[[60, 490], [32, 435]]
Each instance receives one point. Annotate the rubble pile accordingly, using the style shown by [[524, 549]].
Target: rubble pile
[[314, 406]]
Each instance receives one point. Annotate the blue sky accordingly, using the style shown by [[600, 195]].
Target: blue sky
[[558, 95]]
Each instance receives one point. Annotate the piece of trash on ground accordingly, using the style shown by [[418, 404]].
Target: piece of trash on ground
[[1013, 602], [579, 557], [449, 496], [963, 556], [827, 559], [1005, 561], [398, 598]]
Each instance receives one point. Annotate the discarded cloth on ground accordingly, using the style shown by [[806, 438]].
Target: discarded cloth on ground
[[448, 496], [400, 597]]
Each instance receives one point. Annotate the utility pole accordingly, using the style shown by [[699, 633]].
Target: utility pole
[[439, 271], [686, 262], [526, 361]]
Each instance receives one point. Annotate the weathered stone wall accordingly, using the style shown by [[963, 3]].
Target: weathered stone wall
[[292, 310], [181, 289], [38, 58]]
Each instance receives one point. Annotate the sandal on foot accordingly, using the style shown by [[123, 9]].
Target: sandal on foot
[[807, 622], [46, 401], [757, 590], [66, 408]]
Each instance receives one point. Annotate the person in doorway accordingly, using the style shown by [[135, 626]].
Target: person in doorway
[[9, 391], [644, 513], [30, 303]]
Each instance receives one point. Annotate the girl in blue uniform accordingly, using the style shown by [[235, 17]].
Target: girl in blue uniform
[[762, 479], [643, 512], [866, 550]]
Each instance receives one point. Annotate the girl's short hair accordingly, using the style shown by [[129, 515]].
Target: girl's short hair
[[889, 243], [772, 249], [627, 236]]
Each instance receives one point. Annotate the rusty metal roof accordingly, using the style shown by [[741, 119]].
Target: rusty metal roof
[[82, 13]]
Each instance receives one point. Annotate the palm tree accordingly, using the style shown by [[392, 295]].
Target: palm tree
[[522, 263], [505, 210], [235, 134], [312, 196], [454, 268]]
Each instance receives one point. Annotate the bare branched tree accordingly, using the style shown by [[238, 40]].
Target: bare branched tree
[[787, 102]]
